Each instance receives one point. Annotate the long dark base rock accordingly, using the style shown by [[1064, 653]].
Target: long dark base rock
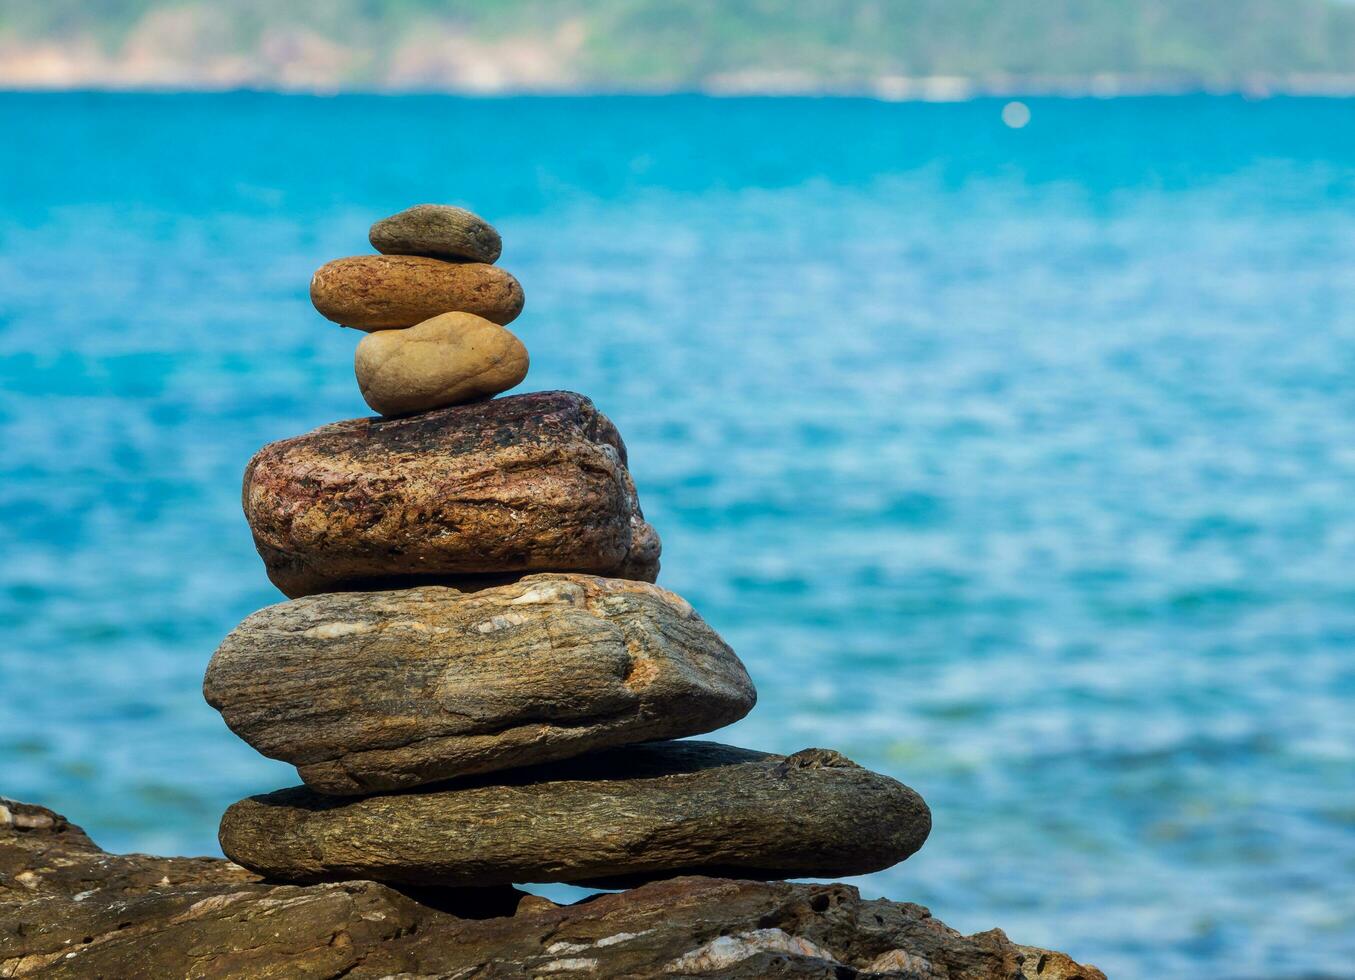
[[617, 817], [69, 910]]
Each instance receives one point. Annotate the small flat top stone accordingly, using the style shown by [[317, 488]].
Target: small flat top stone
[[439, 231], [609, 818]]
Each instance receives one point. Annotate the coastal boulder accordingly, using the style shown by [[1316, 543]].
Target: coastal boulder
[[533, 482], [385, 292], [438, 231], [370, 691], [69, 911], [609, 818], [450, 359]]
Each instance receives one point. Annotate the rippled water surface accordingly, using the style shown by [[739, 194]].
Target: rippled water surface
[[1019, 465]]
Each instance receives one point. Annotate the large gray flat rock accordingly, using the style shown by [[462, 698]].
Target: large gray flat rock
[[623, 815], [368, 691], [534, 482]]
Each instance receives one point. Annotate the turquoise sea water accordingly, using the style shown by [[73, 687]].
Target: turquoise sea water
[[1019, 465]]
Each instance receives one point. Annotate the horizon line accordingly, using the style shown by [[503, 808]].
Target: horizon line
[[923, 89]]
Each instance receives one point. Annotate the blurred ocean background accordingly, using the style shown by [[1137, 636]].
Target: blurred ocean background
[[1018, 464]]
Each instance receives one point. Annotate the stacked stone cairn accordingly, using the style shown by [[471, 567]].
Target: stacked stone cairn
[[475, 677]]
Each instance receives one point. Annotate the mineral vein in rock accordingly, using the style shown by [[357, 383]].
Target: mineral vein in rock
[[384, 690], [533, 482]]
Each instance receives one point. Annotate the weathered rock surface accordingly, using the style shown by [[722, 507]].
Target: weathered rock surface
[[68, 910], [384, 292], [525, 483], [44, 856], [371, 691], [439, 231], [619, 816], [450, 359]]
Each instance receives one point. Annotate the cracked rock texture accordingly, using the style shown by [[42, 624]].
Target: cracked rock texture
[[68, 910], [384, 292], [618, 816], [534, 482], [371, 691]]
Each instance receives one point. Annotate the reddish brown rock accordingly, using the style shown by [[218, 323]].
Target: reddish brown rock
[[70, 911], [383, 292], [526, 483]]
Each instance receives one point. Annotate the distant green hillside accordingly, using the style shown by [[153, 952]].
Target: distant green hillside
[[666, 44]]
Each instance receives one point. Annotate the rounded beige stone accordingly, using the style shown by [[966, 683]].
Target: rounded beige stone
[[385, 292], [447, 360]]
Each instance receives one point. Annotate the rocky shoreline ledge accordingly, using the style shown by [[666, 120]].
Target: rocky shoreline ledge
[[69, 909]]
